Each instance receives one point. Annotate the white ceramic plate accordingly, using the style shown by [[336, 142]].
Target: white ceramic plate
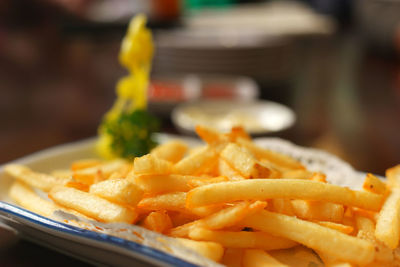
[[257, 117], [103, 249]]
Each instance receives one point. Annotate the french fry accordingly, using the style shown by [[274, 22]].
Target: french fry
[[281, 160], [88, 177], [319, 177], [224, 169], [365, 224], [340, 264], [283, 206], [62, 174], [200, 182], [393, 176], [172, 151], [365, 213], [312, 235], [150, 164], [346, 229], [241, 239], [396, 254], [260, 258], [331, 261], [39, 180], [174, 201], [349, 221], [179, 218], [298, 256], [215, 138], [210, 136], [204, 211], [91, 205], [374, 184], [78, 185], [122, 173], [98, 173], [197, 162], [317, 210], [233, 257], [157, 221], [244, 162], [232, 215], [388, 224], [262, 189], [381, 264], [238, 132], [196, 149], [274, 171], [182, 230], [222, 219], [297, 174], [211, 250], [84, 164], [27, 198], [162, 183], [366, 230], [115, 175], [120, 191]]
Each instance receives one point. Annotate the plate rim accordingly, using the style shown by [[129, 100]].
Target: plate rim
[[15, 213]]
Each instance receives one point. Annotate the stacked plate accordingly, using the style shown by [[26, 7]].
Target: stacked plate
[[254, 40], [236, 54]]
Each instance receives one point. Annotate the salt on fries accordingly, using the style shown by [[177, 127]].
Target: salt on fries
[[231, 201]]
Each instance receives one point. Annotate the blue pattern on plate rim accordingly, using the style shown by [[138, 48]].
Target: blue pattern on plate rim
[[7, 211]]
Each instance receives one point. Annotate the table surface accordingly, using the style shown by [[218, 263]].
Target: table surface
[[56, 89], [26, 253]]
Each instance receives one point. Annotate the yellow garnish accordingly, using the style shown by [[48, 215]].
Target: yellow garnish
[[127, 121], [137, 46], [136, 54]]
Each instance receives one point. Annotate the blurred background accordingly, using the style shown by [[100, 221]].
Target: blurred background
[[334, 63]]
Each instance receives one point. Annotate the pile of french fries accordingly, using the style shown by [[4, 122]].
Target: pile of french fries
[[231, 201]]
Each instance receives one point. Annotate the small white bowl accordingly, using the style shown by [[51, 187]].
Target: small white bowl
[[257, 117]]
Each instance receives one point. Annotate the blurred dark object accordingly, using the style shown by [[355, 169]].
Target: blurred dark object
[[78, 7], [9, 237], [166, 92], [379, 24], [110, 11], [87, 15], [341, 10], [199, 4], [31, 255]]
